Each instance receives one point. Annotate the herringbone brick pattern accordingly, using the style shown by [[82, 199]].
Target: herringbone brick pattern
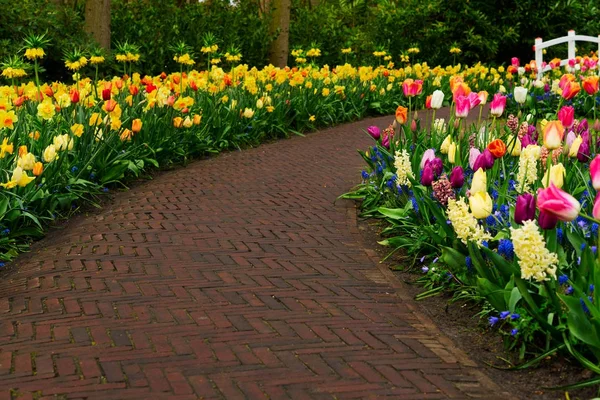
[[237, 277]]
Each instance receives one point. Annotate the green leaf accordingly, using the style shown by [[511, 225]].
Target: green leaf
[[493, 293], [515, 296]]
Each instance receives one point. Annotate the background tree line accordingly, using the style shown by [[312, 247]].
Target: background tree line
[[265, 30]]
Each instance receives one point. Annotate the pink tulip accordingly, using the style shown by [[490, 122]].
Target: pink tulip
[[463, 106], [374, 131], [473, 100], [557, 202], [473, 154], [595, 172], [571, 136], [566, 115], [596, 210], [514, 62], [498, 105], [428, 155]]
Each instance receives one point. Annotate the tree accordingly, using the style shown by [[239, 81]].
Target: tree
[[280, 26], [97, 21]]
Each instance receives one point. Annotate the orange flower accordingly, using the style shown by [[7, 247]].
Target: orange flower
[[590, 84], [22, 151], [38, 168], [109, 105], [401, 114], [177, 122], [136, 125], [460, 89], [570, 90], [126, 135], [497, 148], [428, 102]]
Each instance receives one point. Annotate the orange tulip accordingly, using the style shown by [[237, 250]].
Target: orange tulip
[[136, 125], [590, 84], [110, 105], [497, 148], [38, 168], [177, 122], [570, 90], [401, 115]]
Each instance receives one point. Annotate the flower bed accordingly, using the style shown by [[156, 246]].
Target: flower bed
[[504, 213]]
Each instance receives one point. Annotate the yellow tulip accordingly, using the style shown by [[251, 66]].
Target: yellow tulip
[[479, 183], [557, 176], [446, 145], [481, 205], [452, 153], [575, 146], [50, 153]]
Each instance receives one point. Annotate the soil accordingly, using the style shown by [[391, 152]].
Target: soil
[[459, 322]]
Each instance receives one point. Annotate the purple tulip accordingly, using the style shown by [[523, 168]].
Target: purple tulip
[[583, 126], [427, 176], [531, 131], [457, 177], [374, 131], [584, 154], [524, 208], [385, 141], [547, 221], [428, 155], [437, 165]]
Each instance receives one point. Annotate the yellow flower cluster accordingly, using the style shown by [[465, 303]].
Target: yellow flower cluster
[[313, 53], [184, 59], [403, 168], [33, 54], [233, 57], [535, 260], [215, 61], [413, 50], [96, 60], [76, 65], [297, 52], [464, 223], [11, 73], [129, 57], [379, 53], [209, 49], [347, 50], [300, 60], [455, 50], [527, 174], [404, 58]]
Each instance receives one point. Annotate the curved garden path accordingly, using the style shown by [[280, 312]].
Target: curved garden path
[[235, 277]]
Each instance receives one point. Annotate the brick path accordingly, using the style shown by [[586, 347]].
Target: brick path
[[236, 277]]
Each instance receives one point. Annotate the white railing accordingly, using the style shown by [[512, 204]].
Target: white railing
[[571, 38]]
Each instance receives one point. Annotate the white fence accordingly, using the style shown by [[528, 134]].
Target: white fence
[[571, 38]]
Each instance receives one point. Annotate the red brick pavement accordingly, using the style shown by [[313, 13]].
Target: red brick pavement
[[237, 277]]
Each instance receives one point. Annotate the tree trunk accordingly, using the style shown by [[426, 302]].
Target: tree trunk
[[97, 21], [280, 25]]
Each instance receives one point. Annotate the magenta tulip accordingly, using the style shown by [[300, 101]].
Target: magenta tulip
[[566, 115], [427, 175], [547, 221], [437, 165], [498, 105], [595, 172], [526, 140], [463, 106], [374, 131], [524, 208], [457, 177], [557, 202]]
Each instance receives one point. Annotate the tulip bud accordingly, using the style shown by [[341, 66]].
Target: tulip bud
[[38, 168], [452, 153], [479, 183], [524, 208], [596, 125], [413, 126], [566, 115], [74, 96], [106, 93], [374, 131], [136, 125], [457, 177]]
